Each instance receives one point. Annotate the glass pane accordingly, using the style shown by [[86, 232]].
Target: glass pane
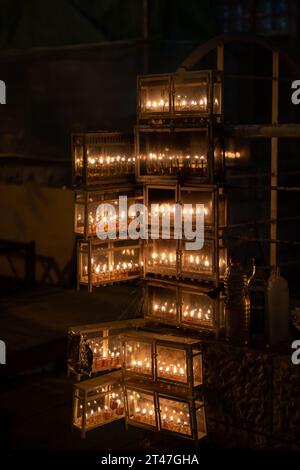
[[117, 261], [199, 261], [107, 353], [161, 256], [191, 94], [126, 261], [217, 98], [109, 155], [222, 260], [78, 412], [198, 197], [201, 422], [162, 303], [79, 216], [155, 96], [171, 364], [138, 357], [102, 407], [141, 407], [197, 309], [78, 155], [175, 416], [83, 257], [100, 263], [197, 369]]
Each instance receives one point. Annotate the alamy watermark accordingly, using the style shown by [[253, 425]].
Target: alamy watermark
[[2, 352], [296, 94], [2, 92], [296, 354], [161, 221]]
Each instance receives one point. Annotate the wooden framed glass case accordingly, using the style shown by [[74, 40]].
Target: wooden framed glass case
[[104, 262], [88, 212], [97, 402], [180, 94], [184, 304], [149, 408], [99, 157], [98, 347], [164, 359]]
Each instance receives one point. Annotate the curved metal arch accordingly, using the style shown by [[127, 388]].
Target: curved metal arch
[[227, 38]]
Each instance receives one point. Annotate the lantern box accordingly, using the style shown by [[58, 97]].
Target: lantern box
[[160, 201], [97, 402], [184, 94], [167, 154], [101, 262], [99, 157], [171, 258], [176, 414], [88, 213], [98, 347], [186, 305], [163, 359]]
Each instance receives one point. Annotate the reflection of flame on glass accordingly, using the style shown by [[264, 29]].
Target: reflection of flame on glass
[[232, 155]]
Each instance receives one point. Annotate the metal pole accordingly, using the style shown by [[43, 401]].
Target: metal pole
[[220, 57], [146, 34], [274, 161]]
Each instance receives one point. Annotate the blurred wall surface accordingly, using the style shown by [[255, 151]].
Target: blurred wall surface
[[45, 215]]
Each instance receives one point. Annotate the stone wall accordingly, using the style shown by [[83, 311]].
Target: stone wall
[[252, 397]]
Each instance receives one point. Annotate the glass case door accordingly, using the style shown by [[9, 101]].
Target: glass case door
[[174, 416], [171, 364], [139, 357], [141, 408]]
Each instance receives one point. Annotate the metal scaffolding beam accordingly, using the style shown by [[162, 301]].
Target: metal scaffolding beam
[[265, 131]]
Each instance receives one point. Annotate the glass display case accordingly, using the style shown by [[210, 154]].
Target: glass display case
[[173, 413], [88, 213], [161, 202], [97, 402], [170, 153], [181, 416], [101, 262], [200, 308], [208, 263], [163, 358], [101, 156], [196, 93], [97, 347]]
